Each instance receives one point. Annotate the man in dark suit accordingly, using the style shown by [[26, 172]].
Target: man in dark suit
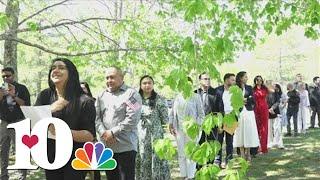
[[314, 93], [207, 94], [223, 105], [293, 108]]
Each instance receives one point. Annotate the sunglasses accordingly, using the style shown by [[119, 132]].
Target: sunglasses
[[206, 79], [6, 76]]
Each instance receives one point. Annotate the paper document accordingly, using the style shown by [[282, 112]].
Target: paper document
[[36, 113]]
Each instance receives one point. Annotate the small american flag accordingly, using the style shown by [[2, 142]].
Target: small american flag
[[133, 103]]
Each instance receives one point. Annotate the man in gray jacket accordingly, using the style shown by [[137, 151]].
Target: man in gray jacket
[[118, 112]]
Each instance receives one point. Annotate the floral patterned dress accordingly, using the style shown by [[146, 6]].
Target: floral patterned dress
[[148, 165]]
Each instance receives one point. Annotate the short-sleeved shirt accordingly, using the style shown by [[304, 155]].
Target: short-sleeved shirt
[[15, 114]]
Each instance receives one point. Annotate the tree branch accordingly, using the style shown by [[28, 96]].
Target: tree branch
[[40, 11], [101, 34], [69, 22], [74, 37], [43, 48], [3, 3]]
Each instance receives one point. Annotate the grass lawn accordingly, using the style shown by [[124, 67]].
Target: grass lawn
[[300, 159]]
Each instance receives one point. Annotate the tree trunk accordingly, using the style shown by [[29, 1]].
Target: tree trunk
[[10, 47]]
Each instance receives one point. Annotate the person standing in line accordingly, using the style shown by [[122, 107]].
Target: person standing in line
[[299, 79], [293, 108], [315, 101], [275, 134], [207, 94], [246, 134], [304, 106], [12, 96], [118, 113], [86, 89], [223, 104], [154, 115], [68, 103], [261, 112], [182, 109], [94, 175]]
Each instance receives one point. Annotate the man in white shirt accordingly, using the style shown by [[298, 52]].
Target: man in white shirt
[[223, 105]]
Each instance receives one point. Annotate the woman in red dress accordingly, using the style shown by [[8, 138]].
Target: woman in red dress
[[261, 110]]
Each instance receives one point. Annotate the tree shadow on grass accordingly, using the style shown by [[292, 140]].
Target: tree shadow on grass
[[300, 159]]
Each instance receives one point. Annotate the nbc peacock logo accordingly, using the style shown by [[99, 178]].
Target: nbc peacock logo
[[94, 157]]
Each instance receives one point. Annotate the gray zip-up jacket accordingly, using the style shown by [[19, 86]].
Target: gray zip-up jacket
[[119, 112]]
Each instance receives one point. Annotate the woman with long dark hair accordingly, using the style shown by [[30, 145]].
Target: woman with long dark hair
[[86, 89], [246, 134], [154, 114], [70, 104], [277, 122], [261, 110], [94, 175]]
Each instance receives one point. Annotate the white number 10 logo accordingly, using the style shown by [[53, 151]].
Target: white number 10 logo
[[35, 142]]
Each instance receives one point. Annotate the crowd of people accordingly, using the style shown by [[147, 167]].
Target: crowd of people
[[129, 121]]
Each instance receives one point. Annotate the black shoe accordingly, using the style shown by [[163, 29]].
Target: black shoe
[[295, 134], [288, 135], [311, 127]]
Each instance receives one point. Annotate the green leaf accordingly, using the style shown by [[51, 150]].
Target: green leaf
[[164, 148], [219, 120], [190, 148], [311, 33], [3, 20], [187, 45], [208, 124], [208, 172], [196, 7], [33, 26], [229, 119], [268, 27], [191, 128], [215, 146], [237, 100]]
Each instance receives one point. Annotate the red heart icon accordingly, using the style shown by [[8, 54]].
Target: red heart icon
[[30, 141]]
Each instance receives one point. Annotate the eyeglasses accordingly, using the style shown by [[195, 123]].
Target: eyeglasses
[[6, 76]]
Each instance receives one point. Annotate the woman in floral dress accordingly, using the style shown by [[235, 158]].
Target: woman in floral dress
[[154, 115]]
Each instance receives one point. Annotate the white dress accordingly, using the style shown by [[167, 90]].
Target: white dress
[[246, 134], [303, 114]]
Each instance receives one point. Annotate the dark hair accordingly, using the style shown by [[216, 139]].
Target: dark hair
[[202, 74], [73, 90], [227, 76], [88, 88], [152, 99], [255, 82], [239, 77], [279, 87], [10, 69], [315, 78]]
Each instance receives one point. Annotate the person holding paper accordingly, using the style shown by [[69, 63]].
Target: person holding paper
[[223, 104], [12, 96], [70, 104]]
